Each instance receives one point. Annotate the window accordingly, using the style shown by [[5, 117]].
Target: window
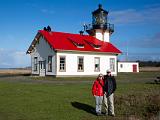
[[42, 65], [112, 64], [35, 64], [121, 65], [95, 46], [96, 64], [79, 44], [49, 63], [62, 65], [80, 64]]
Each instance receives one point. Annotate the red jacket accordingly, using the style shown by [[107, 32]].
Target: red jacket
[[97, 88]]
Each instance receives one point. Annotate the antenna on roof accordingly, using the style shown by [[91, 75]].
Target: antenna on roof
[[127, 51], [84, 26], [81, 32]]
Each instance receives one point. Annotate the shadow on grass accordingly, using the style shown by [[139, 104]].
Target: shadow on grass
[[84, 107], [153, 83]]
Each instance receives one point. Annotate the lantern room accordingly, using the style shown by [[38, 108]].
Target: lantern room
[[100, 28], [99, 18]]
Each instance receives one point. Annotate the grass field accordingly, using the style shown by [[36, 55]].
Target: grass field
[[46, 98]]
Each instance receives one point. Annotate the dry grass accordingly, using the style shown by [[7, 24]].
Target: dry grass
[[28, 71], [147, 69], [15, 71]]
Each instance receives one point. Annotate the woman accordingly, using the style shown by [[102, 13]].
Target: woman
[[97, 91]]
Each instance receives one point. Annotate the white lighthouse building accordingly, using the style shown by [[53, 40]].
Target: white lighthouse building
[[67, 54]]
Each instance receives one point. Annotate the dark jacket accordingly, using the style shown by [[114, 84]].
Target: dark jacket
[[109, 84]]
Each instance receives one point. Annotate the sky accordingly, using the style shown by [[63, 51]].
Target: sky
[[136, 22]]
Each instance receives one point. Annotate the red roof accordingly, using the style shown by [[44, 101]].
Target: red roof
[[77, 42]]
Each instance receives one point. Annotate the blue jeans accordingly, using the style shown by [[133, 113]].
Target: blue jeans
[[99, 100], [109, 104]]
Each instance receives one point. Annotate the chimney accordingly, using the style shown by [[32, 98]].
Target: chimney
[[81, 32], [48, 28]]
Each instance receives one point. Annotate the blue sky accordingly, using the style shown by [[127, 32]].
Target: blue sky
[[136, 25]]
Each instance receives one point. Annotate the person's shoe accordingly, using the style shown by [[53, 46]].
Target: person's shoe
[[105, 114], [99, 114], [113, 115]]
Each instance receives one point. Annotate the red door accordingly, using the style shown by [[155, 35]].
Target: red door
[[134, 68]]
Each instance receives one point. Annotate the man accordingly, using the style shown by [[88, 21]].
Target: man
[[109, 89]]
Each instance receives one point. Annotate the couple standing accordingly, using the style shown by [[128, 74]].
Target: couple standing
[[103, 90]]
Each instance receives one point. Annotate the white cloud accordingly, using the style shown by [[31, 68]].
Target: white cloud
[[138, 55], [149, 14], [1, 49], [5, 64], [43, 10], [126, 16], [13, 59], [147, 42]]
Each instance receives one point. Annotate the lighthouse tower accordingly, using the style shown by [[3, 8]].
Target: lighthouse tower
[[100, 28]]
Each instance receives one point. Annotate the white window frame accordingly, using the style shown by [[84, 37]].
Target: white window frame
[[50, 63], [62, 66], [121, 65], [35, 62], [112, 64], [97, 65], [80, 69]]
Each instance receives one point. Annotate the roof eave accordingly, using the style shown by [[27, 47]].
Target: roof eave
[[116, 53], [36, 38]]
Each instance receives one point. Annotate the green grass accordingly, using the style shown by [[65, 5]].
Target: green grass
[[20, 100], [42, 101]]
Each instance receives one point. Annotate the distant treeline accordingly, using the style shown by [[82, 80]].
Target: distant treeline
[[149, 63]]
